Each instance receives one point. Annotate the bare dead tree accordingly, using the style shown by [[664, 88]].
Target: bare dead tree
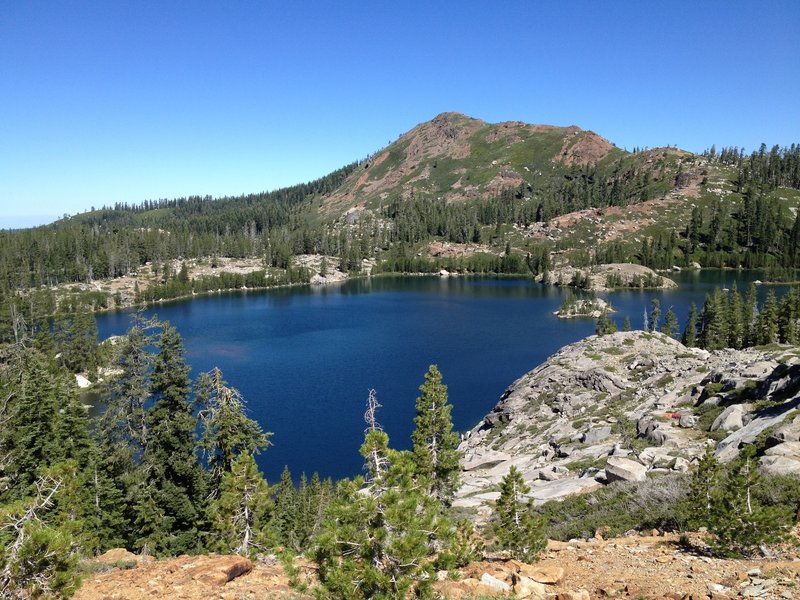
[[17, 322], [377, 461], [370, 415]]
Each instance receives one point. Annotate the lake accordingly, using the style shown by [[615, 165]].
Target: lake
[[306, 357]]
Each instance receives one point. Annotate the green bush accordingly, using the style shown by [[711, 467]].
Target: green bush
[[42, 566], [618, 507], [741, 509]]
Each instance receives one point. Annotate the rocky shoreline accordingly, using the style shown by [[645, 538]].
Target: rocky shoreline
[[629, 405]]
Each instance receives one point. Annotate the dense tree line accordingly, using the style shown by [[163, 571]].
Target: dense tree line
[[163, 470], [252, 212], [728, 319], [114, 242], [276, 226], [401, 261], [179, 286], [766, 170], [117, 240]]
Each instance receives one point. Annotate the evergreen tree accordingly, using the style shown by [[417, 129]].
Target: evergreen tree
[[378, 539], [703, 491], [655, 314], [123, 425], [315, 501], [174, 481], [605, 325], [766, 329], [36, 560], [240, 514], [789, 310], [76, 338], [714, 321], [227, 431], [435, 444], [738, 523], [736, 326], [750, 315], [670, 326], [287, 511], [626, 325], [32, 391], [517, 527], [123, 436]]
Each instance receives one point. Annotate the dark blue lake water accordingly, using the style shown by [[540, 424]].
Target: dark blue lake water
[[305, 357]]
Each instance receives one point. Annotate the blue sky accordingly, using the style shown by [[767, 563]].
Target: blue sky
[[104, 102]]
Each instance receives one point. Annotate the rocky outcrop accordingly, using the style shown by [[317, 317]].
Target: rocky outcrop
[[624, 469], [783, 459], [192, 578], [629, 405], [583, 308], [611, 276]]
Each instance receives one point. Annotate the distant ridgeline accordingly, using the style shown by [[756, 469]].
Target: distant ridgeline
[[495, 190]]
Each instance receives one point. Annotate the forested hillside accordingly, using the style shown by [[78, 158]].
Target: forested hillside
[[454, 193]]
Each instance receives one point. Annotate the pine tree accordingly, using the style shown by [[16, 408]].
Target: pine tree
[[670, 326], [32, 388], [750, 316], [787, 319], [174, 478], [713, 321], [626, 325], [227, 431], [435, 444], [689, 337], [738, 523], [378, 541], [318, 496], [240, 514], [767, 321], [655, 314], [736, 327], [36, 560], [517, 527], [123, 436], [123, 425], [703, 491], [286, 512], [605, 325]]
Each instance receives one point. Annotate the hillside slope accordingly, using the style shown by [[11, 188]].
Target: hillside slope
[[457, 157], [629, 405]]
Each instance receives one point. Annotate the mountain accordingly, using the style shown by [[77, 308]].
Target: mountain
[[462, 158], [456, 157]]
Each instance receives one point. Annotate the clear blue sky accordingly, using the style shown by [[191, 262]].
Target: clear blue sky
[[116, 101]]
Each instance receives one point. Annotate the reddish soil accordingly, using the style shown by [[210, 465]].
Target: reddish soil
[[649, 567]]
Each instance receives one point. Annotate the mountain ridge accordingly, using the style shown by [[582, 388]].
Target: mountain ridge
[[471, 145]]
